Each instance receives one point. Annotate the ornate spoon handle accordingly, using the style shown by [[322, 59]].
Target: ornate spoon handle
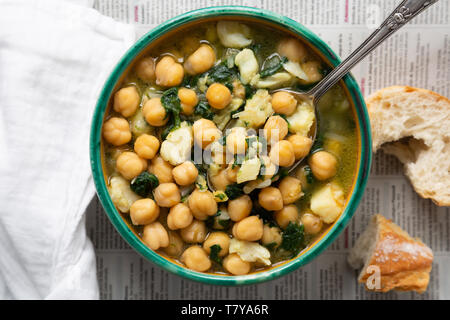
[[406, 11]]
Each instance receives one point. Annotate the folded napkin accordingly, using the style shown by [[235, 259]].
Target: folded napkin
[[54, 59]]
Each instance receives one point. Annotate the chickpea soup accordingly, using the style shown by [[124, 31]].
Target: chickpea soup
[[199, 148]]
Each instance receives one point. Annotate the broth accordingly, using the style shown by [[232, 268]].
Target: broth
[[208, 88]]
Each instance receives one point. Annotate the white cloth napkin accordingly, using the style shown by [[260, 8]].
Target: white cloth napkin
[[54, 59]]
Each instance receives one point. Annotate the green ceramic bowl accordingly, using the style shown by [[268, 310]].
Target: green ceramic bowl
[[290, 26]]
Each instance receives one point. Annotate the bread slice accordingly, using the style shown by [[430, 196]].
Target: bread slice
[[402, 263], [421, 120]]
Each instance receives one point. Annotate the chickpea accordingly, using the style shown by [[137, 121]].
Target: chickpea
[[240, 208], [235, 265], [312, 223], [130, 165], [117, 131], [271, 235], [167, 194], [301, 145], [195, 232], [275, 129], [323, 165], [217, 238], [145, 69], [291, 189], [232, 173], [218, 95], [180, 216], [202, 204], [195, 258], [288, 214], [283, 102], [146, 146], [143, 211], [235, 140], [205, 132], [270, 198], [126, 101], [168, 72], [312, 70], [161, 169], [175, 246], [220, 180], [188, 99], [201, 60], [185, 173], [293, 49], [248, 229], [155, 236], [154, 112], [282, 153]]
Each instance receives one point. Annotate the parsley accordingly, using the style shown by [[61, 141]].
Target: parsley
[[293, 238], [214, 253], [272, 65]]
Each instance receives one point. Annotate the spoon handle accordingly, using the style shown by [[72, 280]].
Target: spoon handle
[[405, 12]]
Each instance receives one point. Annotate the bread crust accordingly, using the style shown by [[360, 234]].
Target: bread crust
[[404, 263], [435, 135]]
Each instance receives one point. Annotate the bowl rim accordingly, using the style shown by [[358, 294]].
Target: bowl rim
[[130, 237]]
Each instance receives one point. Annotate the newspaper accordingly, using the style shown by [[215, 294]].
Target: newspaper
[[417, 55]]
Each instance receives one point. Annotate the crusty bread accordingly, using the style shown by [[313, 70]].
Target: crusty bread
[[403, 263], [421, 120]]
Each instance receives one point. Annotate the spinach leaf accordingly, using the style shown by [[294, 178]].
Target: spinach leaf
[[225, 223], [271, 246], [221, 73], [214, 253], [172, 105], [264, 214], [309, 175], [190, 81], [233, 191], [272, 65], [249, 91], [293, 238], [144, 183], [204, 110]]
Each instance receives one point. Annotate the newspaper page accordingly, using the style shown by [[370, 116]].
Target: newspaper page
[[417, 55]]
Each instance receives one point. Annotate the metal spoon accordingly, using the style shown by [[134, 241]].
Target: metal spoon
[[404, 13]]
